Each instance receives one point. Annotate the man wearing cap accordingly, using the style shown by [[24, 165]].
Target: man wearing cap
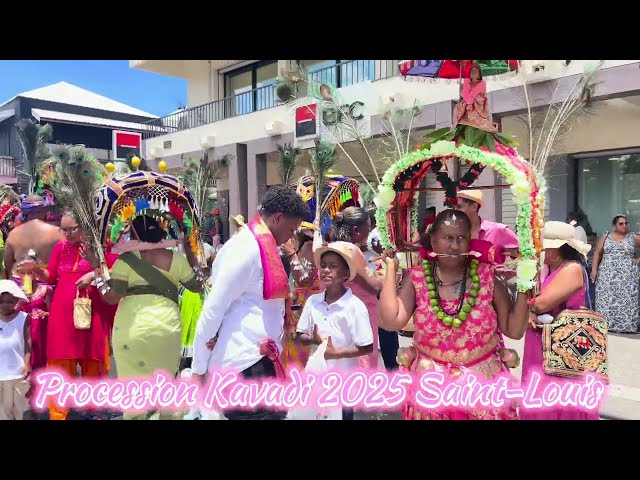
[[505, 241]]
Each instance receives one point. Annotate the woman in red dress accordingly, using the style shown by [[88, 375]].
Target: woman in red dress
[[68, 346]]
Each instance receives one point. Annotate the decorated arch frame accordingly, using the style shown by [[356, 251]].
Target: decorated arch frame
[[396, 215], [124, 196]]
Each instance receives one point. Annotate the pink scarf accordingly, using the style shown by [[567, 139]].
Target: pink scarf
[[276, 282]]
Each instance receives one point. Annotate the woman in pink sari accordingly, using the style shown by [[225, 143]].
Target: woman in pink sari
[[458, 308], [473, 109], [563, 288]]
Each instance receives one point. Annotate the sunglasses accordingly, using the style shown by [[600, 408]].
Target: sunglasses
[[623, 223]]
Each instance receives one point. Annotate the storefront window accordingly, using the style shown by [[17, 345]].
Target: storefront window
[[608, 186]]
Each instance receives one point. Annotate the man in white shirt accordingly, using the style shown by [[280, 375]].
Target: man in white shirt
[[236, 315]]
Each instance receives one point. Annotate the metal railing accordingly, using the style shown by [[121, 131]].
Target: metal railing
[[8, 167], [343, 74]]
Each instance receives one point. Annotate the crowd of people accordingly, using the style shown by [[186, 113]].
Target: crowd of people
[[280, 287]]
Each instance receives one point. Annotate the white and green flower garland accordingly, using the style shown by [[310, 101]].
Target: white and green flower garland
[[524, 197]]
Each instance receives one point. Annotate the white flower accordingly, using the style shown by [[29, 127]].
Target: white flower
[[385, 197], [521, 190], [526, 270], [442, 148], [389, 176]]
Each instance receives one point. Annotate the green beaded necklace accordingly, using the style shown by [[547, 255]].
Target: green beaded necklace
[[456, 318]]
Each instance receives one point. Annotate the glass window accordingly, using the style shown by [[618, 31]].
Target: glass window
[[249, 88], [356, 71], [240, 86], [322, 71], [608, 186], [266, 77]]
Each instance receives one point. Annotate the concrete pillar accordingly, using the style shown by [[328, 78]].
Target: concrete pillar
[[238, 182], [256, 181]]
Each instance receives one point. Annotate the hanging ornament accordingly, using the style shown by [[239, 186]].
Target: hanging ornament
[[110, 167], [135, 162], [162, 166]]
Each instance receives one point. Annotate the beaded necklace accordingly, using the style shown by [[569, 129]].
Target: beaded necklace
[[457, 317]]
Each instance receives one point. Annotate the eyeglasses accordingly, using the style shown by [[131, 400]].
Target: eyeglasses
[[69, 231], [623, 223]]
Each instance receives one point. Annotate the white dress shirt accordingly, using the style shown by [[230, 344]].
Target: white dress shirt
[[236, 311], [346, 321]]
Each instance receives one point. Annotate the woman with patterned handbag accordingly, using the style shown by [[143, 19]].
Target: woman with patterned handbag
[[565, 287]]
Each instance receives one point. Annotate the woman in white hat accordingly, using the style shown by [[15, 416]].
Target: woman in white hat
[[565, 287]]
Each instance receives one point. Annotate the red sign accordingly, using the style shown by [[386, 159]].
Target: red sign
[[307, 122], [126, 143]]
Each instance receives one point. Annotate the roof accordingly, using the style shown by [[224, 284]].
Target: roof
[[51, 115], [4, 114], [69, 94]]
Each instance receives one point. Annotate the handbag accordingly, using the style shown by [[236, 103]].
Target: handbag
[[575, 343], [82, 312]]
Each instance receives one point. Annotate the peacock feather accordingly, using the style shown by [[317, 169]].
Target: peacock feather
[[297, 88], [75, 176], [322, 160], [288, 161], [546, 128], [199, 176]]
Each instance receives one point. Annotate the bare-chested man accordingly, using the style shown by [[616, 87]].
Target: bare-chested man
[[35, 234]]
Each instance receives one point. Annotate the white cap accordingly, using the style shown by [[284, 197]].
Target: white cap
[[9, 286]]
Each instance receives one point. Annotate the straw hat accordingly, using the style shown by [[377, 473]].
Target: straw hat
[[239, 220], [351, 254], [555, 234], [473, 195], [11, 287]]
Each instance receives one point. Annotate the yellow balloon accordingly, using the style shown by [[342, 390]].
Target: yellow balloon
[[110, 167], [162, 166], [135, 161]]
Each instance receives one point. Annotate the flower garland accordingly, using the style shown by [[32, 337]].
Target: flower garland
[[528, 198], [451, 187], [467, 300]]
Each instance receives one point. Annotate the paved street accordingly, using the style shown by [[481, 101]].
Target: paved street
[[623, 400]]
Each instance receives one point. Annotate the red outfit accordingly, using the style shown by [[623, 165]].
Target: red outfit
[[37, 309], [64, 341]]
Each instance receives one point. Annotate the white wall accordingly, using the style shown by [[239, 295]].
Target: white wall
[[249, 127], [615, 124]]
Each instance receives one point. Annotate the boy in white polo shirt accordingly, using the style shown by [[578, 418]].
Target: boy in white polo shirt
[[336, 313]]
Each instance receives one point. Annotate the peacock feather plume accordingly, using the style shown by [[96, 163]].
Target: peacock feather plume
[[322, 160], [33, 140], [288, 162], [75, 177], [298, 88], [546, 128], [200, 174]]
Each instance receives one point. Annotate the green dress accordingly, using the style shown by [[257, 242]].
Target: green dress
[[147, 332]]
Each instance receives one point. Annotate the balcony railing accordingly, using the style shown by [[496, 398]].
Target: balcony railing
[[343, 74], [8, 167]]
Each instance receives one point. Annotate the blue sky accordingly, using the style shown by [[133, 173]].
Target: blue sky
[[153, 93]]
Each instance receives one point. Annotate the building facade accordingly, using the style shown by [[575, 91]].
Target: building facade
[[78, 117], [233, 109]]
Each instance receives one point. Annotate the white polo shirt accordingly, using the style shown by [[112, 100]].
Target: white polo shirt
[[346, 321]]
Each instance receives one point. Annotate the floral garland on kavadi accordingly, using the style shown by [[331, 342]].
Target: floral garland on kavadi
[[396, 196]]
